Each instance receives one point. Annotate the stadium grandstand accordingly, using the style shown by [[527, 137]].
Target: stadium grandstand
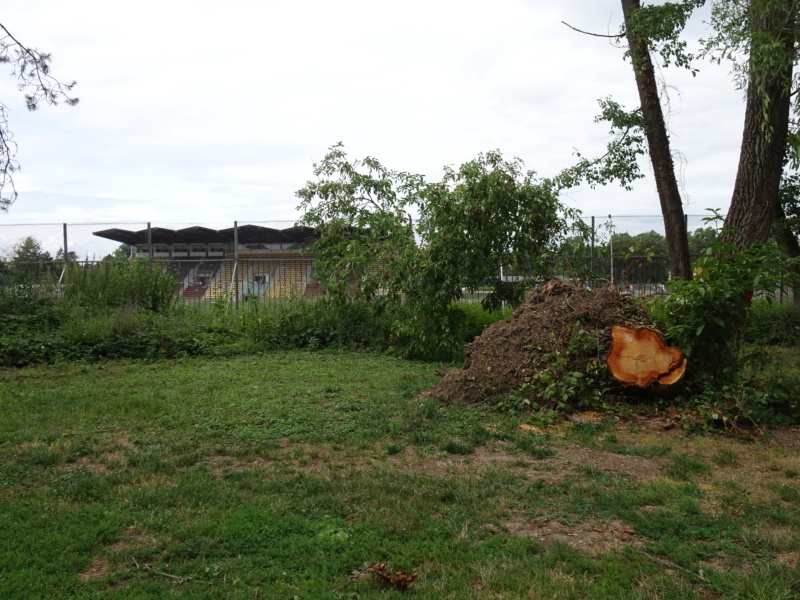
[[238, 263]]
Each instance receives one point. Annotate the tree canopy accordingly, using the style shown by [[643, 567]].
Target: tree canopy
[[418, 246]]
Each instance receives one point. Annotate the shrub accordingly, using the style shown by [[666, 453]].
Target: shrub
[[707, 314], [314, 324]]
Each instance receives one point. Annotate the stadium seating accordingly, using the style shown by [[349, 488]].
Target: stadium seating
[[291, 280]]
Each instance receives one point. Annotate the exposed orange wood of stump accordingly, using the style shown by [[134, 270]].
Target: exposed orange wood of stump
[[640, 357]]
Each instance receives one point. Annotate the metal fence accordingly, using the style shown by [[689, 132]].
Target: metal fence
[[264, 260]]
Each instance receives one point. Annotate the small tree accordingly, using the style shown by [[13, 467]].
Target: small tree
[[487, 214], [30, 262]]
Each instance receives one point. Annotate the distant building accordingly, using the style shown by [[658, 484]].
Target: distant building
[[238, 263]]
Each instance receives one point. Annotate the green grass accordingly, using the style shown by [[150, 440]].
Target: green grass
[[278, 476]]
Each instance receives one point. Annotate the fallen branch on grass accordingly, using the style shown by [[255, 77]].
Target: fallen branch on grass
[[669, 563], [88, 432], [147, 567]]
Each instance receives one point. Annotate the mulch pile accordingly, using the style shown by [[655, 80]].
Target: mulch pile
[[546, 323]]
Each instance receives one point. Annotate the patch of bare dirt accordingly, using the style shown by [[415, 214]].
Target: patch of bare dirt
[[566, 462], [124, 442], [753, 468], [509, 351], [592, 539], [790, 559], [133, 538], [636, 467], [482, 458], [788, 437], [104, 464], [99, 568], [102, 566]]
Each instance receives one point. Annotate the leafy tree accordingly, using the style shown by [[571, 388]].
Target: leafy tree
[[487, 214], [641, 27], [31, 68], [762, 39], [701, 239], [70, 257], [646, 28], [29, 260], [120, 256]]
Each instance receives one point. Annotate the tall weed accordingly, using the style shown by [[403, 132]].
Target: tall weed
[[136, 283]]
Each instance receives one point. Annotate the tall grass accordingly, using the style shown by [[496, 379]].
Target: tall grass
[[136, 283], [773, 324]]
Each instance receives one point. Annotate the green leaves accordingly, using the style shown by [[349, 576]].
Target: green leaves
[[487, 215], [620, 162], [707, 311], [661, 25]]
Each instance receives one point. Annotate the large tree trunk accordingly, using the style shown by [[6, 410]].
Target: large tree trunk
[[639, 357], [766, 124], [659, 149]]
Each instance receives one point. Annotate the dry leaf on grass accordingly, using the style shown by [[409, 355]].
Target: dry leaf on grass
[[397, 579]]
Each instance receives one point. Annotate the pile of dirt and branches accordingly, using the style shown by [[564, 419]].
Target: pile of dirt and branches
[[560, 329]]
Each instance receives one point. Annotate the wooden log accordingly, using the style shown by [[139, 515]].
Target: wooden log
[[640, 357]]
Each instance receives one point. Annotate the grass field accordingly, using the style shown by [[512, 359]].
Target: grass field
[[285, 475]]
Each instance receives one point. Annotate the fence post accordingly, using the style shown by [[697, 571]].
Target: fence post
[[149, 241], [591, 251], [236, 262], [64, 268], [611, 247]]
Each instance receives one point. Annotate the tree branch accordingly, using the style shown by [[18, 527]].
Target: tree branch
[[32, 70], [600, 35]]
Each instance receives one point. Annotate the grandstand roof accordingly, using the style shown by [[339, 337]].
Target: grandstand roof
[[248, 234]]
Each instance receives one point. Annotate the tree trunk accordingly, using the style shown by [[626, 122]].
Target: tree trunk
[[640, 358], [766, 124], [659, 149]]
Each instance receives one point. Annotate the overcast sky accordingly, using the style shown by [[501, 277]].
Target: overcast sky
[[208, 112]]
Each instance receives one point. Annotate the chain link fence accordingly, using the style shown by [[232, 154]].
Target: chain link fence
[[264, 260]]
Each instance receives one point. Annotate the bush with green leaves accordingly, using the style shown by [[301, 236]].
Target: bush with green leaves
[[487, 214], [707, 314]]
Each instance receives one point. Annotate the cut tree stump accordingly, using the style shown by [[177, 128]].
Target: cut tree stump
[[640, 357]]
